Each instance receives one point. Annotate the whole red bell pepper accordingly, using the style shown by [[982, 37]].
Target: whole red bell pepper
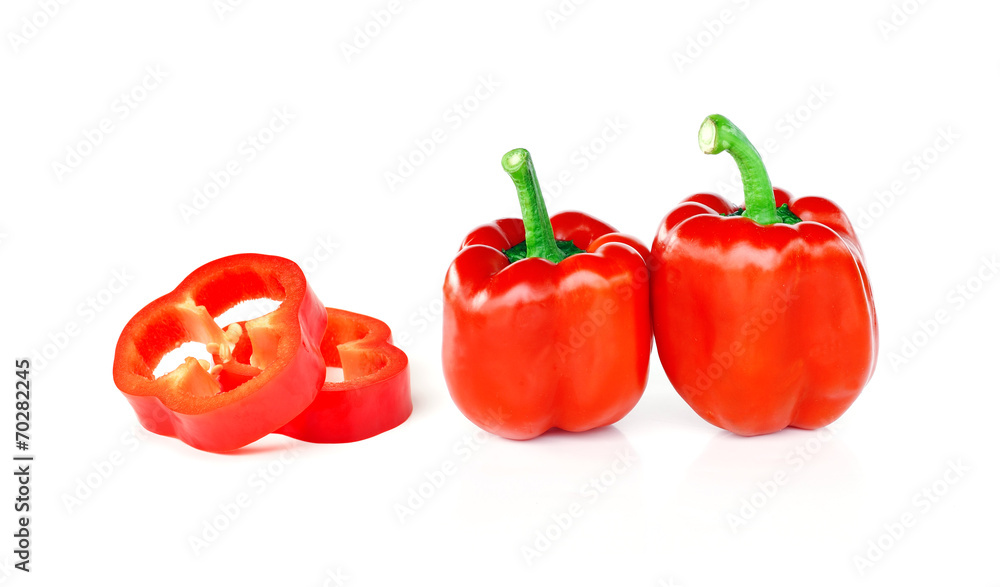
[[229, 405], [763, 316], [546, 323]]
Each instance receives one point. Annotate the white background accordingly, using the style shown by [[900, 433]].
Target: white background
[[847, 104]]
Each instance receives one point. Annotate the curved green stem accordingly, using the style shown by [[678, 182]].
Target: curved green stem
[[718, 134], [538, 236]]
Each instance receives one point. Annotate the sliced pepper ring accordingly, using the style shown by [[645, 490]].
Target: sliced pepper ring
[[375, 394], [232, 404]]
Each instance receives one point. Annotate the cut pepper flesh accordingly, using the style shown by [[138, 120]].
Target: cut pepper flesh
[[375, 393], [255, 387]]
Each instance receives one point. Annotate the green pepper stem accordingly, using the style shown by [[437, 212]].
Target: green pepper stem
[[538, 236], [718, 134]]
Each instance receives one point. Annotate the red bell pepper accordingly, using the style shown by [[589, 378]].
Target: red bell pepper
[[234, 403], [546, 323], [763, 316], [375, 393]]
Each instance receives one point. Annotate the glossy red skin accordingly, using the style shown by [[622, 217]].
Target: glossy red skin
[[763, 327], [262, 402], [375, 394], [536, 345]]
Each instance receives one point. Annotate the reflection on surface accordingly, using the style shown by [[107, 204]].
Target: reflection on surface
[[756, 490], [545, 499]]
